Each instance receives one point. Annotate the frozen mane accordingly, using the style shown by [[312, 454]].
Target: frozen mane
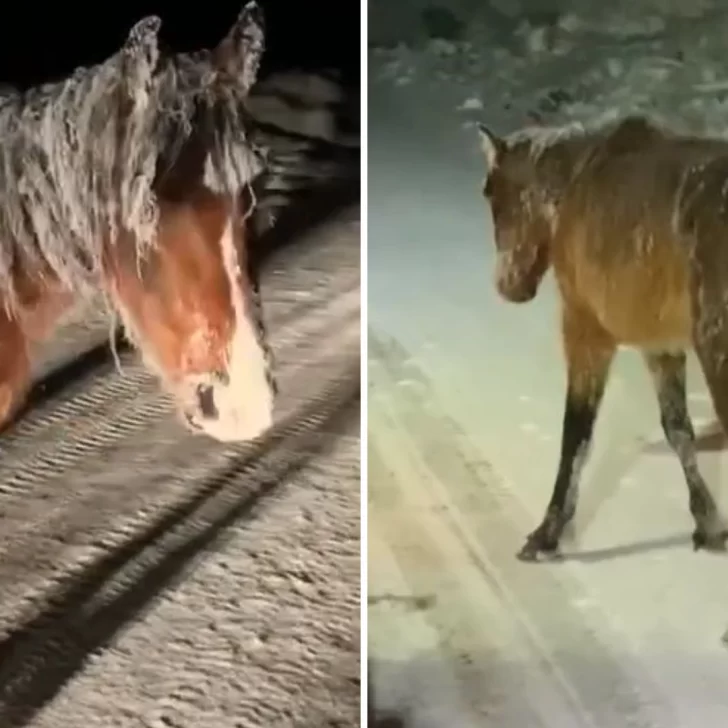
[[79, 158], [540, 138]]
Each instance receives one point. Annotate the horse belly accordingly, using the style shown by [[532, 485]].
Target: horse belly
[[640, 321], [646, 306]]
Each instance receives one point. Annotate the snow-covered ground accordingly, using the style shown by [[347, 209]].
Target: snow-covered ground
[[466, 394]]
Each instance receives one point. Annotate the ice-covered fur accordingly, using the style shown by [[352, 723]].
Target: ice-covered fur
[[77, 161], [128, 178], [79, 157], [539, 138]]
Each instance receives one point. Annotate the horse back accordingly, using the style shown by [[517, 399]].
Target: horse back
[[619, 249]]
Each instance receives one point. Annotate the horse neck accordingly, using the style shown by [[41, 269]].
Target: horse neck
[[558, 164]]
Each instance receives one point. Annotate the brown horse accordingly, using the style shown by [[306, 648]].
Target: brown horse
[[134, 179], [633, 220]]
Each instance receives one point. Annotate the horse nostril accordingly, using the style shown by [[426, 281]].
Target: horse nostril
[[206, 398]]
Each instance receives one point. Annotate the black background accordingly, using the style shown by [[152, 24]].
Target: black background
[[40, 44]]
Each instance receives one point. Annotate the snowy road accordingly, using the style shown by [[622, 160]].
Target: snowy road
[[466, 398], [154, 578]]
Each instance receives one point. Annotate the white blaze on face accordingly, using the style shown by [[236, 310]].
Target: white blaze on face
[[245, 403]]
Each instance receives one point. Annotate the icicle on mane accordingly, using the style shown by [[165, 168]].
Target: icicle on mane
[[76, 163], [80, 157], [541, 138]]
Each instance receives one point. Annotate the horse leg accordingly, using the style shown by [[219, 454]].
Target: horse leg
[[14, 367], [710, 338], [668, 374], [589, 351]]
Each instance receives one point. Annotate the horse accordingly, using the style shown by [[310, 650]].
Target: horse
[[133, 181], [632, 218]]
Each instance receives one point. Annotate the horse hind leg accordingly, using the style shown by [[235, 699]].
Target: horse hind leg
[[589, 351], [668, 374]]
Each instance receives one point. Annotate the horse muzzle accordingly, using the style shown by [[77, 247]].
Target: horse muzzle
[[229, 413], [514, 289]]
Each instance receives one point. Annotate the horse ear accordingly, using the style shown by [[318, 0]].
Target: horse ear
[[141, 53], [490, 144], [142, 41], [237, 57]]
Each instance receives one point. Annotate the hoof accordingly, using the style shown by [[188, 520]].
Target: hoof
[[537, 549], [710, 540]]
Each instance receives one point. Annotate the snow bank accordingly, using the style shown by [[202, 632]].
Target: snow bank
[[559, 60]]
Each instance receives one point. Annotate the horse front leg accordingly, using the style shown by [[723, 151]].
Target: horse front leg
[[589, 351]]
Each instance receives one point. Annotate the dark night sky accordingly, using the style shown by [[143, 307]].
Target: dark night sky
[[42, 45]]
